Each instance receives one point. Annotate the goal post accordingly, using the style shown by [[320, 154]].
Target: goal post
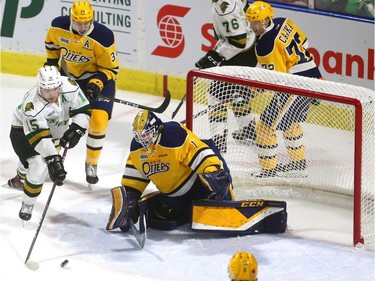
[[336, 133]]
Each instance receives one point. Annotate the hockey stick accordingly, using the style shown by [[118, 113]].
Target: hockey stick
[[178, 106], [159, 109], [205, 111], [140, 234], [32, 265]]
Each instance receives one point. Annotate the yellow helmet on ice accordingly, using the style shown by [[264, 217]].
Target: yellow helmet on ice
[[243, 267], [82, 11], [259, 11]]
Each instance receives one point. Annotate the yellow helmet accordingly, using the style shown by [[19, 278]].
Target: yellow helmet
[[259, 11], [146, 127], [81, 11], [243, 267]]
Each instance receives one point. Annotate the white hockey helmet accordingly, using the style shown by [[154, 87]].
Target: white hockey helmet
[[48, 77]]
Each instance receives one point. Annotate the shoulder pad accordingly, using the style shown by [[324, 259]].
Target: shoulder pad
[[173, 135], [61, 22], [102, 34], [68, 84], [224, 7]]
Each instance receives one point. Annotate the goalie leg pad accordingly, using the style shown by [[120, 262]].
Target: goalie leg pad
[[159, 215], [117, 216], [240, 217]]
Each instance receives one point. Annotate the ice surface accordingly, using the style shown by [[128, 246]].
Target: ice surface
[[316, 246]]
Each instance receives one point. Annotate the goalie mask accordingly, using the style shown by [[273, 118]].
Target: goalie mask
[[49, 83], [81, 15], [243, 267], [146, 127]]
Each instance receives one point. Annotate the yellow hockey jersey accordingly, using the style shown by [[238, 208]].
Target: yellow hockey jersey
[[283, 47], [172, 163], [82, 56]]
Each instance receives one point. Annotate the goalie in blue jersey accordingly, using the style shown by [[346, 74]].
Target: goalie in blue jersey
[[193, 184]]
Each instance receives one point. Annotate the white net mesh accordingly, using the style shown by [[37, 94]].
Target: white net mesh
[[300, 142]]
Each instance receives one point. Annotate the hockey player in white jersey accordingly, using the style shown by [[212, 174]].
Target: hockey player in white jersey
[[235, 46], [40, 126]]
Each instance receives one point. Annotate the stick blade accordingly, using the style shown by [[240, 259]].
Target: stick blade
[[165, 104], [32, 265], [139, 234]]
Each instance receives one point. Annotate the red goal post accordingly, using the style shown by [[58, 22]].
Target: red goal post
[[338, 133]]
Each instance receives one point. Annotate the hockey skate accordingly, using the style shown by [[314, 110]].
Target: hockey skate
[[16, 183], [91, 174], [293, 169], [247, 133], [25, 212], [221, 141]]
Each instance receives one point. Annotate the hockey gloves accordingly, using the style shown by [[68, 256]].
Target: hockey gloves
[[212, 58], [94, 87], [124, 208], [56, 169], [219, 182], [72, 135]]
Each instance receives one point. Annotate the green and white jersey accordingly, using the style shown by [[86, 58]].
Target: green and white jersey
[[231, 27], [43, 123]]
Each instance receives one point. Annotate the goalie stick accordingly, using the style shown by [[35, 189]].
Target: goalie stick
[[159, 109], [32, 265], [140, 234]]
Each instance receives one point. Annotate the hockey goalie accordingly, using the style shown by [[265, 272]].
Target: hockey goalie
[[193, 181]]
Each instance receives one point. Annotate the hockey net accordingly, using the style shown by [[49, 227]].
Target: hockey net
[[338, 135]]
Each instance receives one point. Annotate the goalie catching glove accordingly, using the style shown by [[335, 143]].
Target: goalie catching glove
[[72, 135], [211, 59], [56, 169], [124, 208]]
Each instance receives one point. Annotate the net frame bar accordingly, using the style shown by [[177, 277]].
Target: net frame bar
[[358, 126]]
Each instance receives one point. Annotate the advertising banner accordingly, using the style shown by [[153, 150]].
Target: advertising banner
[[168, 37]]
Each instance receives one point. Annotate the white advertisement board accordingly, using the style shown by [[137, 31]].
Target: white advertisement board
[[168, 37]]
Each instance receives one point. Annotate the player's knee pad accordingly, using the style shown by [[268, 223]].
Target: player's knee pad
[[159, 215], [217, 113], [98, 122], [37, 171], [265, 134]]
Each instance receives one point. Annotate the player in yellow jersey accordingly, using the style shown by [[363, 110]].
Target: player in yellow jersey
[[281, 46], [182, 167], [86, 52]]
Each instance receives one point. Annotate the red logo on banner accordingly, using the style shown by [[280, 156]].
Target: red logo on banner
[[170, 31]]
